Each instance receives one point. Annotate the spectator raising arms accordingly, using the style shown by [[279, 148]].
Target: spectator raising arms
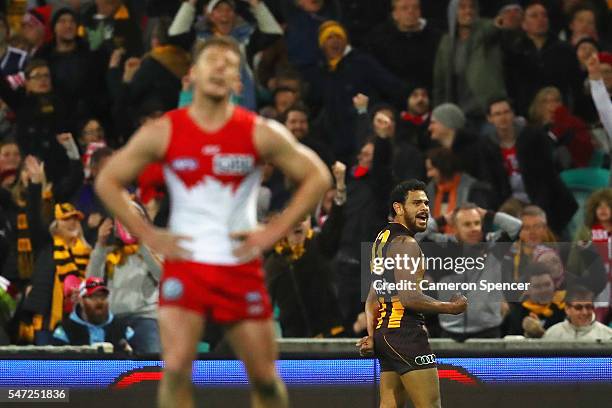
[[220, 18], [132, 273], [299, 275], [569, 134], [67, 255], [468, 70]]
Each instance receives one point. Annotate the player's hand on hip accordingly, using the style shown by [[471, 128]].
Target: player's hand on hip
[[253, 243], [366, 346], [167, 245], [458, 304]]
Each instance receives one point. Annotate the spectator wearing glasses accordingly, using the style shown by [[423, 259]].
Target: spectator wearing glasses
[[91, 321], [40, 116], [580, 323]]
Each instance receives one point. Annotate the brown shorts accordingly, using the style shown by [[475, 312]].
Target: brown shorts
[[403, 349]]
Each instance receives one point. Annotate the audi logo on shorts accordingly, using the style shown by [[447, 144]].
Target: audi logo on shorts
[[425, 360]]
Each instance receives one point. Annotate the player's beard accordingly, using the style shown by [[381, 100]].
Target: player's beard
[[411, 222]]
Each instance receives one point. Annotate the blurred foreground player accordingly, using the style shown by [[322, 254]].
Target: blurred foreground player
[[396, 333], [212, 152]]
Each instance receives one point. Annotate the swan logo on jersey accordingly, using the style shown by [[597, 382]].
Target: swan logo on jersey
[[233, 164], [185, 164], [172, 289]]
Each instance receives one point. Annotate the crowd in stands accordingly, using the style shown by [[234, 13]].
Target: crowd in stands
[[503, 108]]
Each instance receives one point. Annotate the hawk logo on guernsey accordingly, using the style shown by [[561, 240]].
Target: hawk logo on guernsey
[[185, 164], [233, 164]]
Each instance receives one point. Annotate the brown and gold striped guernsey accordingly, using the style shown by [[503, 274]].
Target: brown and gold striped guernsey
[[392, 315]]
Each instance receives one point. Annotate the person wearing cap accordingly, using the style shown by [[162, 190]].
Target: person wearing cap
[[132, 274], [468, 70], [67, 254], [221, 18], [35, 28], [447, 130], [406, 43], [77, 81], [91, 321], [476, 155], [510, 15], [344, 73]]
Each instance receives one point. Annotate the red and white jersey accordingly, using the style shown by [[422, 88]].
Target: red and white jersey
[[213, 180]]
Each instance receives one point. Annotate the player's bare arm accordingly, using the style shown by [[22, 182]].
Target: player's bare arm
[[276, 145], [416, 300], [366, 344], [146, 146]]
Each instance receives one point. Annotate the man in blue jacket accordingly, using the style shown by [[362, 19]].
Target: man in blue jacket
[[91, 321]]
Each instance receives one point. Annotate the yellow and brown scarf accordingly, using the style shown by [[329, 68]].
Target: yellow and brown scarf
[[69, 260], [292, 252], [546, 310], [118, 258], [25, 254]]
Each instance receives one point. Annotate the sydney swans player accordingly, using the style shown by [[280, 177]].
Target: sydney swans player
[[212, 154], [396, 334]]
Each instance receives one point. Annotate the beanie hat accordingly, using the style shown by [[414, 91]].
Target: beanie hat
[[60, 12], [450, 115], [41, 16], [508, 5], [214, 3], [331, 27]]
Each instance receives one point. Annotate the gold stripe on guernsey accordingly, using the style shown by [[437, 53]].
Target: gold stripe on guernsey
[[379, 243], [384, 236], [398, 354], [382, 312], [397, 312]]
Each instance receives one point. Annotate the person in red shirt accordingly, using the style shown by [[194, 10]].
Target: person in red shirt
[[212, 154], [518, 163]]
